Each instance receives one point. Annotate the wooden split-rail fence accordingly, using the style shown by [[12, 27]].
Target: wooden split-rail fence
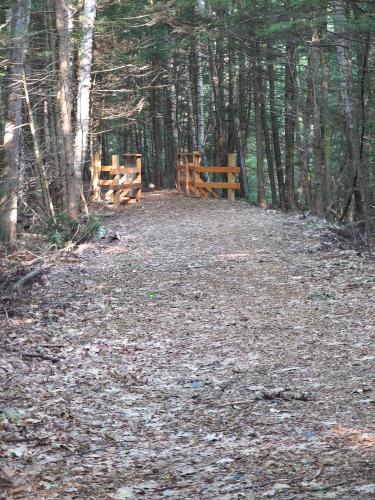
[[190, 182], [123, 183]]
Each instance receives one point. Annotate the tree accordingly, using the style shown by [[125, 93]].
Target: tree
[[65, 98], [9, 181], [268, 79], [356, 171], [84, 87]]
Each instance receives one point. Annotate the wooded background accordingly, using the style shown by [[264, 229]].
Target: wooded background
[[286, 84]]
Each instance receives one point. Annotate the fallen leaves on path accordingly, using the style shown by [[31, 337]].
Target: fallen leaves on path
[[211, 350]]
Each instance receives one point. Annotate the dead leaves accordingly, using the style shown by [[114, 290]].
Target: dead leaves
[[202, 353]]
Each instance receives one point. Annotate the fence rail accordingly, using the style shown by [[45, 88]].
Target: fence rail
[[190, 182], [124, 183]]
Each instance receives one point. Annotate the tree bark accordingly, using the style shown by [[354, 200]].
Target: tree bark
[[84, 87], [290, 114], [59, 190], [64, 98], [9, 180], [326, 122], [275, 129], [317, 121], [303, 144], [200, 104], [172, 112], [156, 136], [2, 111], [48, 205], [267, 145], [191, 131], [242, 116], [356, 169], [232, 133], [259, 136], [217, 92]]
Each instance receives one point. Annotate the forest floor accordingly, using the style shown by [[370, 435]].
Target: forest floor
[[214, 350]]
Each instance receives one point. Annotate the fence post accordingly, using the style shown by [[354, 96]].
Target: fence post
[[196, 176], [178, 174], [115, 182], [232, 161], [138, 177], [187, 175], [95, 176]]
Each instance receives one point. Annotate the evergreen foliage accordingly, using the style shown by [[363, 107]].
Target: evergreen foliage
[[165, 72]]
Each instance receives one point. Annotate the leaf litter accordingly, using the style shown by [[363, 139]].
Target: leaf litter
[[210, 350]]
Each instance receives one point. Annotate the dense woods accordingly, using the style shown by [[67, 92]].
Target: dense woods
[[288, 85], [214, 340]]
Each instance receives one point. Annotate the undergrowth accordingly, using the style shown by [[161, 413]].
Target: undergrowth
[[69, 231]]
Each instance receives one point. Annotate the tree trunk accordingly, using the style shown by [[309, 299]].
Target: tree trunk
[[290, 116], [267, 145], [220, 72], [303, 152], [304, 145], [244, 107], [191, 132], [275, 129], [172, 111], [2, 111], [48, 205], [317, 121], [232, 133], [326, 127], [259, 136], [59, 191], [9, 180], [357, 174], [84, 87], [156, 136], [235, 133], [64, 98], [365, 64], [219, 126], [200, 104]]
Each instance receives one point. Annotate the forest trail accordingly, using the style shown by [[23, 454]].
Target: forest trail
[[214, 351]]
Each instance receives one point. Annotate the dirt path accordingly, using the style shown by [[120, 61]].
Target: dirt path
[[214, 351]]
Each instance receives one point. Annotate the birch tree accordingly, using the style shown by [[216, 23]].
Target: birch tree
[[84, 87]]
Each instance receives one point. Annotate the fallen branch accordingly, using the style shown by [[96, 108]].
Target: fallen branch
[[241, 402], [28, 277], [39, 355], [52, 346], [35, 355], [33, 262], [22, 439], [6, 315]]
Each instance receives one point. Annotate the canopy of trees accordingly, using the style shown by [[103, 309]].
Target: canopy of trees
[[286, 84]]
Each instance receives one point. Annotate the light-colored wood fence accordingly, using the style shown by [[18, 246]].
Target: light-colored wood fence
[[123, 183], [190, 182]]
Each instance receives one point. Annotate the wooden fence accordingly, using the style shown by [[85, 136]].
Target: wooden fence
[[123, 182], [190, 182]]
